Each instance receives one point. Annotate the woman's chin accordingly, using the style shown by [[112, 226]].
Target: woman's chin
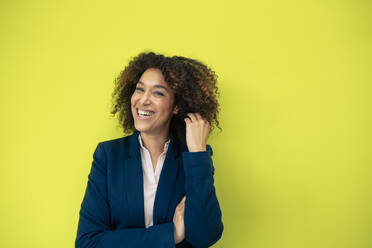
[[143, 128], [148, 130]]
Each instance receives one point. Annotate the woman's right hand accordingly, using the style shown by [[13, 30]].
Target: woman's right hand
[[178, 223]]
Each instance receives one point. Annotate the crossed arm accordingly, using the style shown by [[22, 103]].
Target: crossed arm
[[203, 224]]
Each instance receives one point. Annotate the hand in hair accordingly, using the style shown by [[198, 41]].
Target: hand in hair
[[197, 130]]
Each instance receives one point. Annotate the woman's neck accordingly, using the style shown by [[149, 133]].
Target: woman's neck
[[154, 143]]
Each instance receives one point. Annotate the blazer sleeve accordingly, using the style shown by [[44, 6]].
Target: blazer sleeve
[[94, 228], [202, 216]]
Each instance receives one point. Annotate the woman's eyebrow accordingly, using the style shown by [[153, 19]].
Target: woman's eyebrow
[[155, 86]]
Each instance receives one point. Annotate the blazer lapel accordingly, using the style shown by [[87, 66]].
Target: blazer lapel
[[134, 183], [166, 184]]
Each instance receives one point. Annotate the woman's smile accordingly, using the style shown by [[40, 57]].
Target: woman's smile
[[152, 103], [144, 115]]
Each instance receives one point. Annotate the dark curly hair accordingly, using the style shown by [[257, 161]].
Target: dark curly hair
[[193, 84]]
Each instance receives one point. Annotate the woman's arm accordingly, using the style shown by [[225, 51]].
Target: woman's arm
[[94, 230], [203, 224]]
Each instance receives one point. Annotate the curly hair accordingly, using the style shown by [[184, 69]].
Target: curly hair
[[193, 84]]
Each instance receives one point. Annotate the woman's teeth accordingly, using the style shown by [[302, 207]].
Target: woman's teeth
[[144, 113]]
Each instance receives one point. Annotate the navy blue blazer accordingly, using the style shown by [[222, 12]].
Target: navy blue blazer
[[112, 210]]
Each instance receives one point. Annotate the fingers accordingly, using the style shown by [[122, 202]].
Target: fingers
[[182, 202], [201, 118], [187, 120], [180, 209], [193, 117], [198, 116]]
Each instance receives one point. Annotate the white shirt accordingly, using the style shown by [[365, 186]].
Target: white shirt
[[150, 179]]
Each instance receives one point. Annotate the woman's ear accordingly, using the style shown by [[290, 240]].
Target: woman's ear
[[175, 110]]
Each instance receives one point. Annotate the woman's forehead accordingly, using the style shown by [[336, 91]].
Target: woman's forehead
[[154, 85], [153, 78]]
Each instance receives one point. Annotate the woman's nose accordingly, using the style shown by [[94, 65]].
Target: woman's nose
[[145, 98]]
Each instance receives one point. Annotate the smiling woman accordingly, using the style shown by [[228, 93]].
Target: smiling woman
[[153, 104], [189, 82], [155, 187]]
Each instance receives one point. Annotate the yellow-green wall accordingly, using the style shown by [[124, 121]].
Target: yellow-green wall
[[293, 163]]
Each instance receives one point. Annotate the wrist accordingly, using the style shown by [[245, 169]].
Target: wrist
[[198, 149]]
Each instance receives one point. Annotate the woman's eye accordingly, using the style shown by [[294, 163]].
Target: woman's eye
[[139, 88], [157, 92]]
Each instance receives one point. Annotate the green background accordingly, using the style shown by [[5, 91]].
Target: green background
[[293, 162]]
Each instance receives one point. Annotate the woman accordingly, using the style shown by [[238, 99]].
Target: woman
[[154, 188]]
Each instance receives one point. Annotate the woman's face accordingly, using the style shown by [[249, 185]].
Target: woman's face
[[154, 96]]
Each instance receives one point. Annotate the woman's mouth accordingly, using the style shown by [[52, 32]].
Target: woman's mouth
[[144, 115]]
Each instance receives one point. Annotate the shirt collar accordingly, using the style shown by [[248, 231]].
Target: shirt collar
[[141, 144]]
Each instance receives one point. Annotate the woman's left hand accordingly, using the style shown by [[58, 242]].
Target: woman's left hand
[[197, 130]]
